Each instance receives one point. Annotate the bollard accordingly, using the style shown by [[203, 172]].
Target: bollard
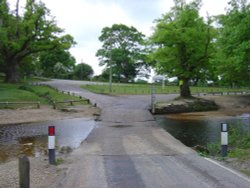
[[24, 172], [54, 104], [38, 104], [224, 139], [51, 145]]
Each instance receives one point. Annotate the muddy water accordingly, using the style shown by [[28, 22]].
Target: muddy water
[[32, 139], [194, 130]]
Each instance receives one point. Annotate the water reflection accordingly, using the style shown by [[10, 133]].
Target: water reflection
[[32, 139], [199, 131]]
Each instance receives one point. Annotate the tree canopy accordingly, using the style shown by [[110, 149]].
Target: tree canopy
[[23, 35], [122, 50], [182, 42], [83, 71], [233, 57]]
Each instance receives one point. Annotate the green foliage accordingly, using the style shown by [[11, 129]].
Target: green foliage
[[56, 63], [238, 143], [182, 43], [122, 50], [83, 71], [233, 57], [26, 88], [24, 35]]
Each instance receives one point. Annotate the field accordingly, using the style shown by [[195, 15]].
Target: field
[[145, 89]]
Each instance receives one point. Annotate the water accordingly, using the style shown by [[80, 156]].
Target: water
[[32, 139], [200, 131]]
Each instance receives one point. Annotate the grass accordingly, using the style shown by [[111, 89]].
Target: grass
[[143, 89], [28, 93], [238, 143], [238, 147]]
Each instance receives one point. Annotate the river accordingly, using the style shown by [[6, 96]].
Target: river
[[32, 139], [194, 130]]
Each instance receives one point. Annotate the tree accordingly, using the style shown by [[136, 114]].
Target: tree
[[233, 57], [49, 59], [122, 50], [83, 71], [182, 42], [26, 34]]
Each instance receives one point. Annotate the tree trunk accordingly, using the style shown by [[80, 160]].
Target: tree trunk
[[184, 89], [12, 73]]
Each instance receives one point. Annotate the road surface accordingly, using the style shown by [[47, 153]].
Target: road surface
[[129, 150]]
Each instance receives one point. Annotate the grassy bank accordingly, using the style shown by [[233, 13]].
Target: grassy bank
[[238, 149], [28, 93], [143, 89]]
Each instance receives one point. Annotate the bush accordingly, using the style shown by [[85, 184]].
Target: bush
[[26, 88]]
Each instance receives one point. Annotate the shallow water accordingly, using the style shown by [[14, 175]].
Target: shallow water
[[194, 131], [32, 139]]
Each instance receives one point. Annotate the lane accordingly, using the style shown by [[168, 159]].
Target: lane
[[128, 149]]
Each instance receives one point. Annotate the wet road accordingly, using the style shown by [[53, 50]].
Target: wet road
[[129, 150]]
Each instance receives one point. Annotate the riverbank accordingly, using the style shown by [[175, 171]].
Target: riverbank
[[42, 174], [46, 113], [229, 106]]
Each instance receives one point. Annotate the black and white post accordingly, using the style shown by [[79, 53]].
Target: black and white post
[[51, 145], [224, 139]]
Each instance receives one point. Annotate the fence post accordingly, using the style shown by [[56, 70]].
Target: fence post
[[24, 172], [54, 104], [38, 104], [224, 139]]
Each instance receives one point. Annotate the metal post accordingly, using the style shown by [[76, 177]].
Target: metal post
[[24, 172], [153, 98], [110, 78], [163, 83], [51, 145], [224, 139]]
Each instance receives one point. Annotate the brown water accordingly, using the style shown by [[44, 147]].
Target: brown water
[[194, 131], [32, 139]]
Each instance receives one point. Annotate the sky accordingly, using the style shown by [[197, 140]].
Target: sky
[[85, 19]]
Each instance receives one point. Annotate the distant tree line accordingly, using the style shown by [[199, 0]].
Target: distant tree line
[[184, 45]]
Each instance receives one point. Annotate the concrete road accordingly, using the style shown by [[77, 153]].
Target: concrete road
[[129, 150]]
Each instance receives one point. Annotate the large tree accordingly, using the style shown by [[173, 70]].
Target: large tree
[[25, 34], [181, 42], [122, 50], [83, 71], [233, 57]]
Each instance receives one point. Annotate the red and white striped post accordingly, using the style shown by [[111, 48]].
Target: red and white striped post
[[51, 145]]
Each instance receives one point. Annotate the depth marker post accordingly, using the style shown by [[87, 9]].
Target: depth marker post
[[224, 139], [51, 145]]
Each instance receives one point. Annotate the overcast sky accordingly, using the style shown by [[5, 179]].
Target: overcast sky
[[84, 19]]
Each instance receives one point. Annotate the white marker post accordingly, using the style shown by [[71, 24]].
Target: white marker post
[[51, 145], [224, 139]]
